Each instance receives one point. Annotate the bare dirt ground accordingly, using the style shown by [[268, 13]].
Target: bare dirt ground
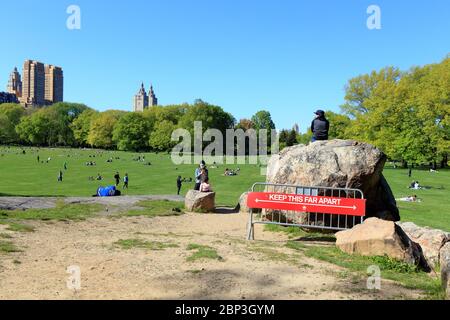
[[263, 269]]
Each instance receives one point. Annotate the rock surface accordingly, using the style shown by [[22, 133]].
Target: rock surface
[[430, 240], [242, 205], [445, 268], [196, 201], [338, 163], [376, 237]]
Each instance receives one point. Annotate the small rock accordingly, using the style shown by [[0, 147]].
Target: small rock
[[445, 268], [430, 240], [196, 201], [376, 237]]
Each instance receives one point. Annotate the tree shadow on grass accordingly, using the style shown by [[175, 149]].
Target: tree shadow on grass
[[225, 210], [317, 238]]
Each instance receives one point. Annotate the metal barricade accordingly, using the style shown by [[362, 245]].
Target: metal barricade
[[301, 218]]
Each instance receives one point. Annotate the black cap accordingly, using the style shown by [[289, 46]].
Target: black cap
[[320, 112]]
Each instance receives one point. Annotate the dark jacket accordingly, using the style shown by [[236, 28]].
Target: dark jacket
[[320, 128]]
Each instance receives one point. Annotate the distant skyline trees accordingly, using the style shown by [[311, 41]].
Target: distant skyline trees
[[404, 113]]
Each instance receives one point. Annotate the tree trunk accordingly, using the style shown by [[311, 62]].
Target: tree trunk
[[444, 161], [404, 164]]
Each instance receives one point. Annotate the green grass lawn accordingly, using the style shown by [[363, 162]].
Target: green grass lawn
[[434, 210], [22, 175]]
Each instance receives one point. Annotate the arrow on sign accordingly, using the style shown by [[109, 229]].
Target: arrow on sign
[[306, 205]]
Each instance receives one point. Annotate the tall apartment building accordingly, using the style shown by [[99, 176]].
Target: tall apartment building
[[54, 84], [33, 81], [41, 84], [15, 83]]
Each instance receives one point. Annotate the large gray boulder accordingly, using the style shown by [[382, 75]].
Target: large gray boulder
[[431, 240], [445, 268], [196, 201], [376, 237], [338, 163]]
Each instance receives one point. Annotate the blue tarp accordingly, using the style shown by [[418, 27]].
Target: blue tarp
[[106, 191]]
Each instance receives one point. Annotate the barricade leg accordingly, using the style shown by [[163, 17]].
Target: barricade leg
[[250, 227]]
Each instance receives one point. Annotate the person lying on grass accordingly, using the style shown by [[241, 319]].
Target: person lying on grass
[[410, 199]]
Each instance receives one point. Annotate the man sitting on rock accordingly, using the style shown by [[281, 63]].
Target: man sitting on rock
[[320, 127]]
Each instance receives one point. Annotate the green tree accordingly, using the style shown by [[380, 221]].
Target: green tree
[[160, 138], [339, 124], [40, 128], [212, 117], [81, 126], [131, 133], [291, 138], [403, 113], [102, 127], [10, 115], [263, 120]]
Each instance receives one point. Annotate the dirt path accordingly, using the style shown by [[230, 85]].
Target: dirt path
[[264, 269]]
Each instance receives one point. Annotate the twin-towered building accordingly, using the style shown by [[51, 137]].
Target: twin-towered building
[[142, 101], [39, 84]]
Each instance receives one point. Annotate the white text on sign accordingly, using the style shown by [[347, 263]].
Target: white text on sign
[[304, 199]]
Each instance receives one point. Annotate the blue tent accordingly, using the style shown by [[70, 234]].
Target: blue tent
[[106, 191]]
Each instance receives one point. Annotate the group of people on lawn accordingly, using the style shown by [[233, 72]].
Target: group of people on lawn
[[319, 127]]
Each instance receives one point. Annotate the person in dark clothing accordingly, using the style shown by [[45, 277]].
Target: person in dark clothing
[[410, 172], [125, 181], [179, 184], [320, 126], [117, 178]]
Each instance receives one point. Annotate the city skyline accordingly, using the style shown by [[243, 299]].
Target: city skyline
[[39, 84], [289, 58]]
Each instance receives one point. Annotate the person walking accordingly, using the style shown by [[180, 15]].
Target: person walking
[[117, 178], [60, 176], [179, 184], [320, 126], [125, 181], [410, 172]]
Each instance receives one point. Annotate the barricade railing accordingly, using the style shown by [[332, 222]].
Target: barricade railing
[[309, 207]]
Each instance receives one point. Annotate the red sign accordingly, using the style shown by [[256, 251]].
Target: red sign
[[303, 203]]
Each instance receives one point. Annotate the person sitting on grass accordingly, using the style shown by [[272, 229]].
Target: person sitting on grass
[[205, 186]]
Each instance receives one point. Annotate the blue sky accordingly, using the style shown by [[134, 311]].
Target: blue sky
[[288, 57]]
